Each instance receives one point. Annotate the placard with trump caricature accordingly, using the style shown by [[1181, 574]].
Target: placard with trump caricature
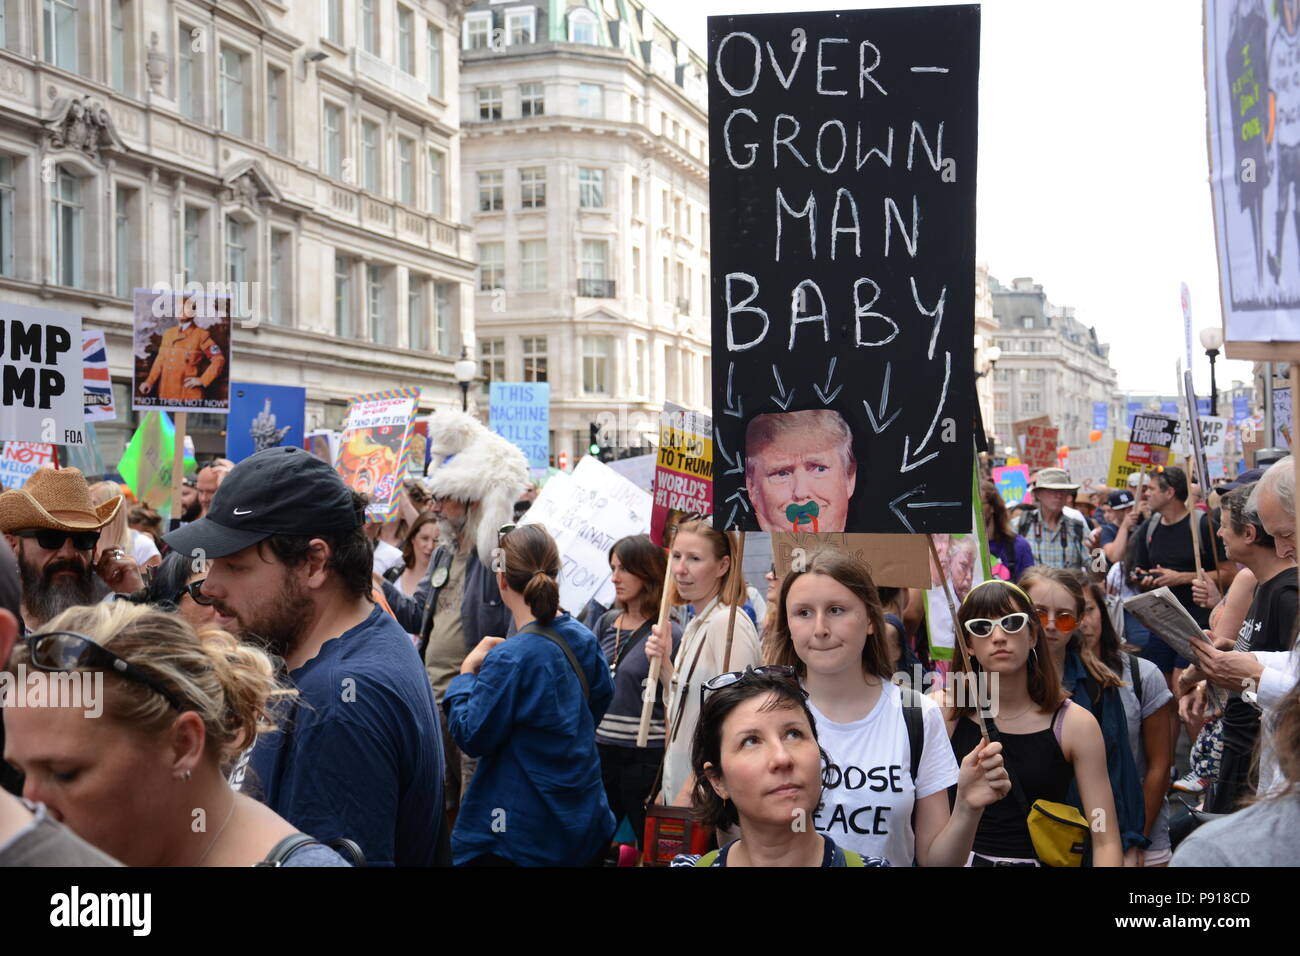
[[375, 446]]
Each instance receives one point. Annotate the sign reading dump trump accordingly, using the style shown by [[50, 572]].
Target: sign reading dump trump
[[40, 375], [842, 183]]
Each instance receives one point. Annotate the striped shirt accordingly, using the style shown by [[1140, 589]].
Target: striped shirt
[[626, 648]]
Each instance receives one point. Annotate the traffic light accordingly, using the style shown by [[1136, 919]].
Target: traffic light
[[594, 445]]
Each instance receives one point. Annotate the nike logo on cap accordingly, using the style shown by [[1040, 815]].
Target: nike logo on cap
[[247, 511]]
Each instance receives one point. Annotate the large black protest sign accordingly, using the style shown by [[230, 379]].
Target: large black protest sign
[[842, 165]]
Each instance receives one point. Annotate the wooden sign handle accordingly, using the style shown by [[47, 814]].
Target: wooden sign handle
[[651, 690], [178, 463]]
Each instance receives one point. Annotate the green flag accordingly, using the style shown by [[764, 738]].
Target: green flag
[[146, 465]]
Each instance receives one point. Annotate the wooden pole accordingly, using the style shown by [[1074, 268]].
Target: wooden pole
[[651, 690], [178, 463], [956, 627], [737, 557]]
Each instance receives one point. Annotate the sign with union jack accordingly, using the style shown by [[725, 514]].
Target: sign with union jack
[[96, 382]]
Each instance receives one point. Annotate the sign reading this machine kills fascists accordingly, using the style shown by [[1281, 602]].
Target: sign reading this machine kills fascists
[[843, 152]]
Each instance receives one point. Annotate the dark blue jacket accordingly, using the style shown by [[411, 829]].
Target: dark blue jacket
[[482, 612], [1125, 784], [537, 797]]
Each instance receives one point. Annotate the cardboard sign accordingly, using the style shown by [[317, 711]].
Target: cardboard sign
[[264, 416], [1214, 439], [966, 562], [97, 384], [40, 375], [895, 560], [842, 175], [20, 460], [1012, 483], [1152, 437], [375, 446], [586, 512], [1253, 102], [146, 464], [1038, 439], [1281, 417], [520, 412], [683, 482], [1121, 467], [182, 352]]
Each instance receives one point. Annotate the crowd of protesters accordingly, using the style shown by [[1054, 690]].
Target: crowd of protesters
[[332, 691]]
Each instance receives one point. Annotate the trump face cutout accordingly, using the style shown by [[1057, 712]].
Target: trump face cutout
[[800, 471]]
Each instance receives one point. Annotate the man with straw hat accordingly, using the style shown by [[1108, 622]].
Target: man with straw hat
[[53, 528], [1057, 537]]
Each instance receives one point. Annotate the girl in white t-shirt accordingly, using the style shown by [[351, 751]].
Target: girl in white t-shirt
[[830, 627]]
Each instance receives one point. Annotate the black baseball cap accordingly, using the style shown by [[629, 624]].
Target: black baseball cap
[[1245, 478], [1120, 499], [282, 490]]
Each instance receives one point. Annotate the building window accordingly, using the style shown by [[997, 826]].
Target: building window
[[642, 367], [491, 191], [281, 276], [342, 295], [636, 197], [6, 215], [370, 147], [334, 21], [519, 26], [405, 40], [122, 241], [666, 206], [704, 291], [532, 188], [61, 33], [406, 170], [636, 270], [66, 228], [193, 243], [532, 99], [532, 265], [381, 329], [275, 110], [489, 102], [232, 91], [437, 182], [1031, 402], [1026, 321], [369, 26], [591, 188], [433, 44], [417, 329], [236, 251], [582, 26], [442, 293], [119, 15], [190, 72], [478, 31], [534, 348], [595, 364], [492, 266], [591, 100], [668, 282], [677, 217], [593, 269], [492, 359], [333, 141]]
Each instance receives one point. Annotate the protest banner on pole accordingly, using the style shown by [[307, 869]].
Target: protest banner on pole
[[375, 446], [97, 384], [40, 375], [146, 464], [20, 460], [263, 416], [1012, 483], [1121, 467], [181, 345], [843, 381], [959, 562], [1152, 437], [639, 469], [520, 412], [683, 481], [895, 560], [1038, 440], [586, 512]]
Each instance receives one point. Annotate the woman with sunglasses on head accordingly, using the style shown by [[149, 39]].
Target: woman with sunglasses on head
[[758, 767], [1147, 708], [178, 708], [706, 577], [893, 768], [1047, 743], [527, 708], [1059, 604]]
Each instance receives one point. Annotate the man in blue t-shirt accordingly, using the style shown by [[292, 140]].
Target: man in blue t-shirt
[[358, 750]]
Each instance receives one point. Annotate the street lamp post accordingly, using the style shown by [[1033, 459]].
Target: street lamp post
[[464, 370], [1212, 341]]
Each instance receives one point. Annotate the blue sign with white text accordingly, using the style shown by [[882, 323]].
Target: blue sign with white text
[[1240, 408], [1100, 415], [264, 416], [1133, 409], [520, 412]]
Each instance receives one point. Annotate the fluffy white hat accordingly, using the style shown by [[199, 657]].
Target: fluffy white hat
[[472, 464]]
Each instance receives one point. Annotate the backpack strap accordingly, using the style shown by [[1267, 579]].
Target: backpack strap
[[554, 637], [348, 849], [915, 727], [1135, 675]]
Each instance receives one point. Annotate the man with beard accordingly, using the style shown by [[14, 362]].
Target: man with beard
[[53, 527], [479, 477], [358, 752]]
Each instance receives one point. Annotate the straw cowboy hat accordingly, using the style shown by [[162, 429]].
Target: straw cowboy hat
[[55, 498]]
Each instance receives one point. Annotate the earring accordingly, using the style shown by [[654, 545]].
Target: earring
[[1033, 652], [184, 775]]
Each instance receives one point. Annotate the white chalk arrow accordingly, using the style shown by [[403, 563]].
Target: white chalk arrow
[[876, 426], [830, 373], [731, 519], [717, 441], [739, 410], [908, 464], [893, 506], [740, 466], [784, 401], [739, 496]]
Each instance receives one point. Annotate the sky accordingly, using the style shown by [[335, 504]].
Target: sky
[[1093, 173]]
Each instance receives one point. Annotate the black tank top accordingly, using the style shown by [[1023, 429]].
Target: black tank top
[[1036, 762]]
